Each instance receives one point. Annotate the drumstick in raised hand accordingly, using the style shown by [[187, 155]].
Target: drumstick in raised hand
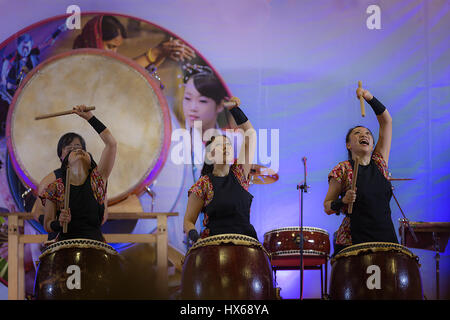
[[355, 176], [66, 196], [361, 101], [62, 113]]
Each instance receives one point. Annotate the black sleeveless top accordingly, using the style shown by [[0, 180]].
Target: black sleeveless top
[[371, 219], [229, 209], [87, 214]]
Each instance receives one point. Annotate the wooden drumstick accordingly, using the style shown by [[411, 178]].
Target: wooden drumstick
[[361, 101], [66, 196], [62, 113], [234, 102], [355, 176]]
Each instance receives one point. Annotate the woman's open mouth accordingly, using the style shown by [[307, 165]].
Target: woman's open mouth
[[364, 141]]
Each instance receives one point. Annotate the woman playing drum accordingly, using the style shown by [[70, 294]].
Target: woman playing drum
[[68, 142], [222, 190], [370, 220], [87, 190]]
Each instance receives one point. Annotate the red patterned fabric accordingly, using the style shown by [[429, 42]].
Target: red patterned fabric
[[55, 193], [343, 173], [91, 35], [98, 186], [55, 190], [203, 188]]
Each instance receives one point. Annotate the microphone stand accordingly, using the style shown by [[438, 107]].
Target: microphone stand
[[405, 221], [303, 188]]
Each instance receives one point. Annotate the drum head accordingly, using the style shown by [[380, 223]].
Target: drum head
[[127, 100]]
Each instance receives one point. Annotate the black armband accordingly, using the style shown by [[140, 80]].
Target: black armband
[[238, 115], [55, 226], [97, 124], [193, 235], [377, 106], [336, 205]]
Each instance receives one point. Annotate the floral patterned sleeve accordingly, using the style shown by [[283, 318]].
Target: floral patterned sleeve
[[203, 189], [98, 185], [54, 192], [238, 171], [381, 164], [343, 173]]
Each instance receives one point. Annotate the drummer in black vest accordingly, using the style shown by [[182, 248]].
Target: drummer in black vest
[[370, 220], [221, 192], [87, 188], [68, 142]]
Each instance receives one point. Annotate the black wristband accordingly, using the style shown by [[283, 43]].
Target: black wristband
[[193, 235], [97, 124], [377, 106], [336, 205], [238, 115], [55, 226]]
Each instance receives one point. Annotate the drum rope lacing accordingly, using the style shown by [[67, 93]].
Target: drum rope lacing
[[311, 229], [78, 243], [236, 239], [297, 252], [374, 247]]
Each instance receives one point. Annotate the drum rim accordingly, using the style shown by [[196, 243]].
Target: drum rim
[[227, 238], [359, 248], [297, 252], [297, 228], [80, 243], [149, 176]]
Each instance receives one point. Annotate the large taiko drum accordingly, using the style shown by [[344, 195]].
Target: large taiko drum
[[286, 241], [374, 271], [79, 269], [127, 100], [227, 267]]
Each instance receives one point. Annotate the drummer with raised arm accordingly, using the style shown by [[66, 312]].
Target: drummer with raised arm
[[222, 190], [88, 182], [370, 218], [68, 142]]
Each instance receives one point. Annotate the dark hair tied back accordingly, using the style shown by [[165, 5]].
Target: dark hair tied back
[[347, 139]]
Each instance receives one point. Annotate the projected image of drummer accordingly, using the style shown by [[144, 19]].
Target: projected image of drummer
[[222, 190], [359, 187], [108, 33], [84, 210]]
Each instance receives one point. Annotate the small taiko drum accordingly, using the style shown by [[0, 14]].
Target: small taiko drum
[[127, 100], [286, 241], [227, 267], [375, 271], [79, 269]]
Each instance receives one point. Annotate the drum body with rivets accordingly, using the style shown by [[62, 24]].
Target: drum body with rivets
[[374, 271], [227, 267], [79, 269], [286, 241]]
